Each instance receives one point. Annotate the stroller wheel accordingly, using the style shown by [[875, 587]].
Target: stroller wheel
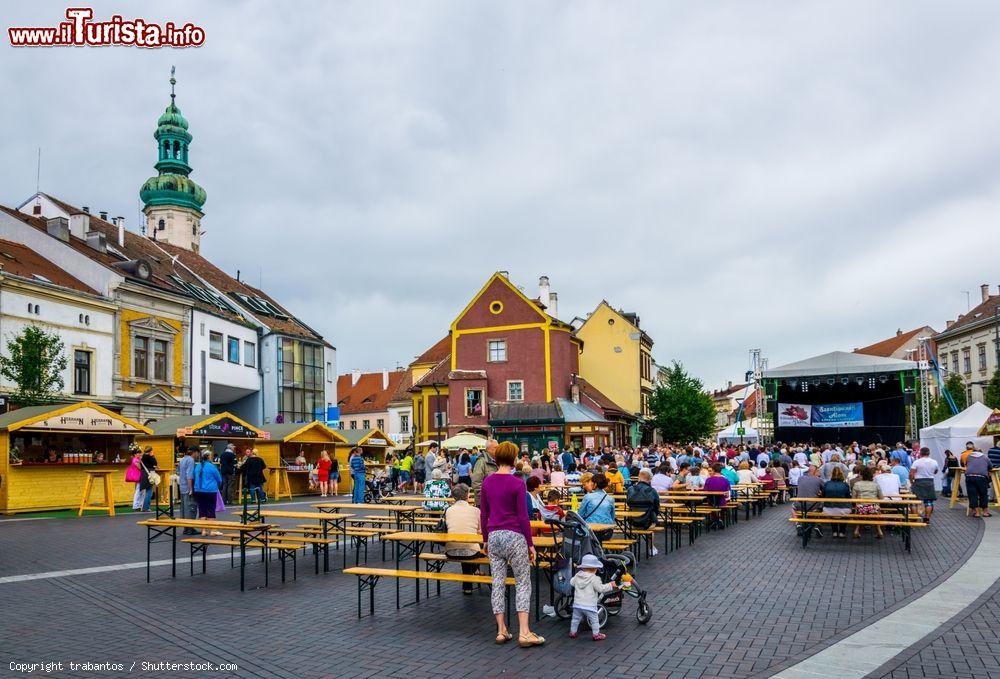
[[564, 607], [642, 612], [602, 615]]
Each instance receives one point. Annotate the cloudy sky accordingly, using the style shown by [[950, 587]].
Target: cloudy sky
[[800, 177]]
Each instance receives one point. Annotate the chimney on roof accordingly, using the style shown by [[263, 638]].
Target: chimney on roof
[[86, 209], [79, 225], [104, 215], [120, 223], [898, 332], [58, 227], [385, 379], [97, 240], [948, 324], [548, 298], [355, 376], [985, 289], [729, 384]]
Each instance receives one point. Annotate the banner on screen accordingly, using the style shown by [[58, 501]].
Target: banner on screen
[[838, 415], [794, 414]]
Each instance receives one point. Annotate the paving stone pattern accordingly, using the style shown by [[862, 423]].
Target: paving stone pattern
[[966, 647], [721, 608]]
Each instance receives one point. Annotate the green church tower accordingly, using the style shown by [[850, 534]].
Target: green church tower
[[172, 200]]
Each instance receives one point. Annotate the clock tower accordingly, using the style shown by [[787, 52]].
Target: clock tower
[[172, 201]]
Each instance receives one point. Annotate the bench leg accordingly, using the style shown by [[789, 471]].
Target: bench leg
[[367, 582]]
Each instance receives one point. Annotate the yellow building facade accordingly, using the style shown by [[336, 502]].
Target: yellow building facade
[[617, 358]]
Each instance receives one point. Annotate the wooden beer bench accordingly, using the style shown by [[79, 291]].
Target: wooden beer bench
[[894, 513], [368, 578]]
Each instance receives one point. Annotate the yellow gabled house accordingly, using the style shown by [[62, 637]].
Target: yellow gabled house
[[617, 359]]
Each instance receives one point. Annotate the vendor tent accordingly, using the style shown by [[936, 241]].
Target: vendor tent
[[464, 440], [952, 434], [731, 434]]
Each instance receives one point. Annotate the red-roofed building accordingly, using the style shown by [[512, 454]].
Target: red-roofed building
[[902, 345], [364, 399]]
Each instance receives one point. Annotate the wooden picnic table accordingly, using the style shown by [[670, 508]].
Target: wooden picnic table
[[158, 530], [904, 504], [416, 498], [411, 543], [338, 520], [401, 511]]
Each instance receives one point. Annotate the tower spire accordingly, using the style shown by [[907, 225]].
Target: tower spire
[[173, 81]]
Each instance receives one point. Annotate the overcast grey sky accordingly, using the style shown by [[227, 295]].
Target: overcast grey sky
[[800, 177]]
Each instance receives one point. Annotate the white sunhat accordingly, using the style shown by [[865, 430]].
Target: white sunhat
[[591, 561]]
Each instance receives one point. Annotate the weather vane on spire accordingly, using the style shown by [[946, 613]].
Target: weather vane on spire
[[173, 81]]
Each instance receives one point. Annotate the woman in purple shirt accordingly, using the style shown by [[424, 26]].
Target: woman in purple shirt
[[503, 516]]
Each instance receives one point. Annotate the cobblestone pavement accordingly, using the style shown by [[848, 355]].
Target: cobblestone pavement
[[968, 646], [739, 603]]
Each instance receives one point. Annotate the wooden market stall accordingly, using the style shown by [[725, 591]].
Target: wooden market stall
[[290, 442], [170, 435], [48, 452], [374, 444]]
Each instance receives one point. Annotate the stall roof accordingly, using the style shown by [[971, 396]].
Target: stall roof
[[362, 437], [839, 363], [521, 412], [43, 417], [169, 426], [577, 413], [285, 432]]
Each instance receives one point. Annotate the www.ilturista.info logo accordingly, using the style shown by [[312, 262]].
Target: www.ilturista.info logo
[[81, 31]]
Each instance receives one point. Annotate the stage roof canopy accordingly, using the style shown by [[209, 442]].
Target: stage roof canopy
[[839, 363]]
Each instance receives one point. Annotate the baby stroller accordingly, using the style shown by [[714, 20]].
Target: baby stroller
[[378, 488], [577, 540]]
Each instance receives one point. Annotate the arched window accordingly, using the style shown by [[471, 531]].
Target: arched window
[[194, 229], [177, 150], [161, 226]]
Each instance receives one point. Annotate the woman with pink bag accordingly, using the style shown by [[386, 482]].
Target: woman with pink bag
[[134, 475]]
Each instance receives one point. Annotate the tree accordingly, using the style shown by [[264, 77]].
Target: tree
[[34, 363], [991, 396], [680, 409], [940, 410]]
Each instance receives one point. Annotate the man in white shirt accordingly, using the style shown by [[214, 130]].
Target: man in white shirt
[[922, 473], [661, 480], [887, 482]]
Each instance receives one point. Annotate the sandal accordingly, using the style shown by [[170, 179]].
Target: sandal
[[987, 514], [530, 639], [504, 637]]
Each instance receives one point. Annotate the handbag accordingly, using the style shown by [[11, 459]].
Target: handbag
[[152, 476], [220, 504], [132, 474]]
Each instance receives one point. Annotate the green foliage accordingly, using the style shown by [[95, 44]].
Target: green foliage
[[992, 395], [34, 363], [940, 410], [680, 408]]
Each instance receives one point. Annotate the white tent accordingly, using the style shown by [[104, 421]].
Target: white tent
[[730, 433], [952, 434]]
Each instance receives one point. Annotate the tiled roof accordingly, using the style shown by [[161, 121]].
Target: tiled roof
[[231, 287], [19, 260], [440, 349], [467, 375], [983, 310], [403, 388], [506, 411], [368, 395], [437, 375], [167, 261], [600, 400], [889, 346], [729, 390]]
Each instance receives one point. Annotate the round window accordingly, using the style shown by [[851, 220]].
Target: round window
[[496, 307]]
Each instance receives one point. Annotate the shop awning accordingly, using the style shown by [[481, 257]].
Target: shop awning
[[312, 432], [220, 425], [577, 413], [85, 417], [502, 412], [365, 437]]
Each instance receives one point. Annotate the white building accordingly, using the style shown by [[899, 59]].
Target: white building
[[968, 345], [35, 292]]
